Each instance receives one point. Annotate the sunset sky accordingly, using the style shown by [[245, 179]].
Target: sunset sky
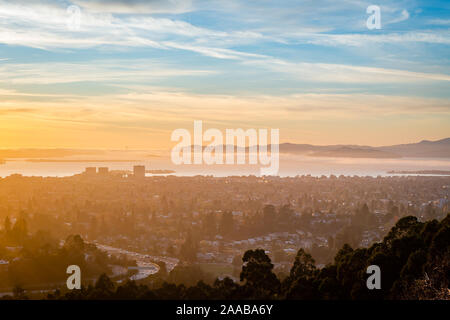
[[136, 70]]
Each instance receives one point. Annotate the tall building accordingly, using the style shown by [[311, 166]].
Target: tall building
[[103, 170], [139, 171], [90, 171]]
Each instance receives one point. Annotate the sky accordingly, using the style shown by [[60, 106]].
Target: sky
[[125, 74]]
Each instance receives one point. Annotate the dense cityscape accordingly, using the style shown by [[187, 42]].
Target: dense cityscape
[[200, 223]]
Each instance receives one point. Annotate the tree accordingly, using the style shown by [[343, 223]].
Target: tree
[[363, 217], [188, 250], [350, 234], [226, 289], [74, 242], [300, 284], [19, 231], [404, 226], [128, 291], [188, 275], [257, 272], [304, 265], [104, 288]]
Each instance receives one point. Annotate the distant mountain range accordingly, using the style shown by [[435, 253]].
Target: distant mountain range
[[423, 149]]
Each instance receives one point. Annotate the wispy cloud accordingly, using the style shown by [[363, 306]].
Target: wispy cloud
[[322, 72], [44, 26], [112, 71], [403, 16], [137, 6], [150, 114], [440, 22], [16, 110], [219, 53], [360, 40]]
